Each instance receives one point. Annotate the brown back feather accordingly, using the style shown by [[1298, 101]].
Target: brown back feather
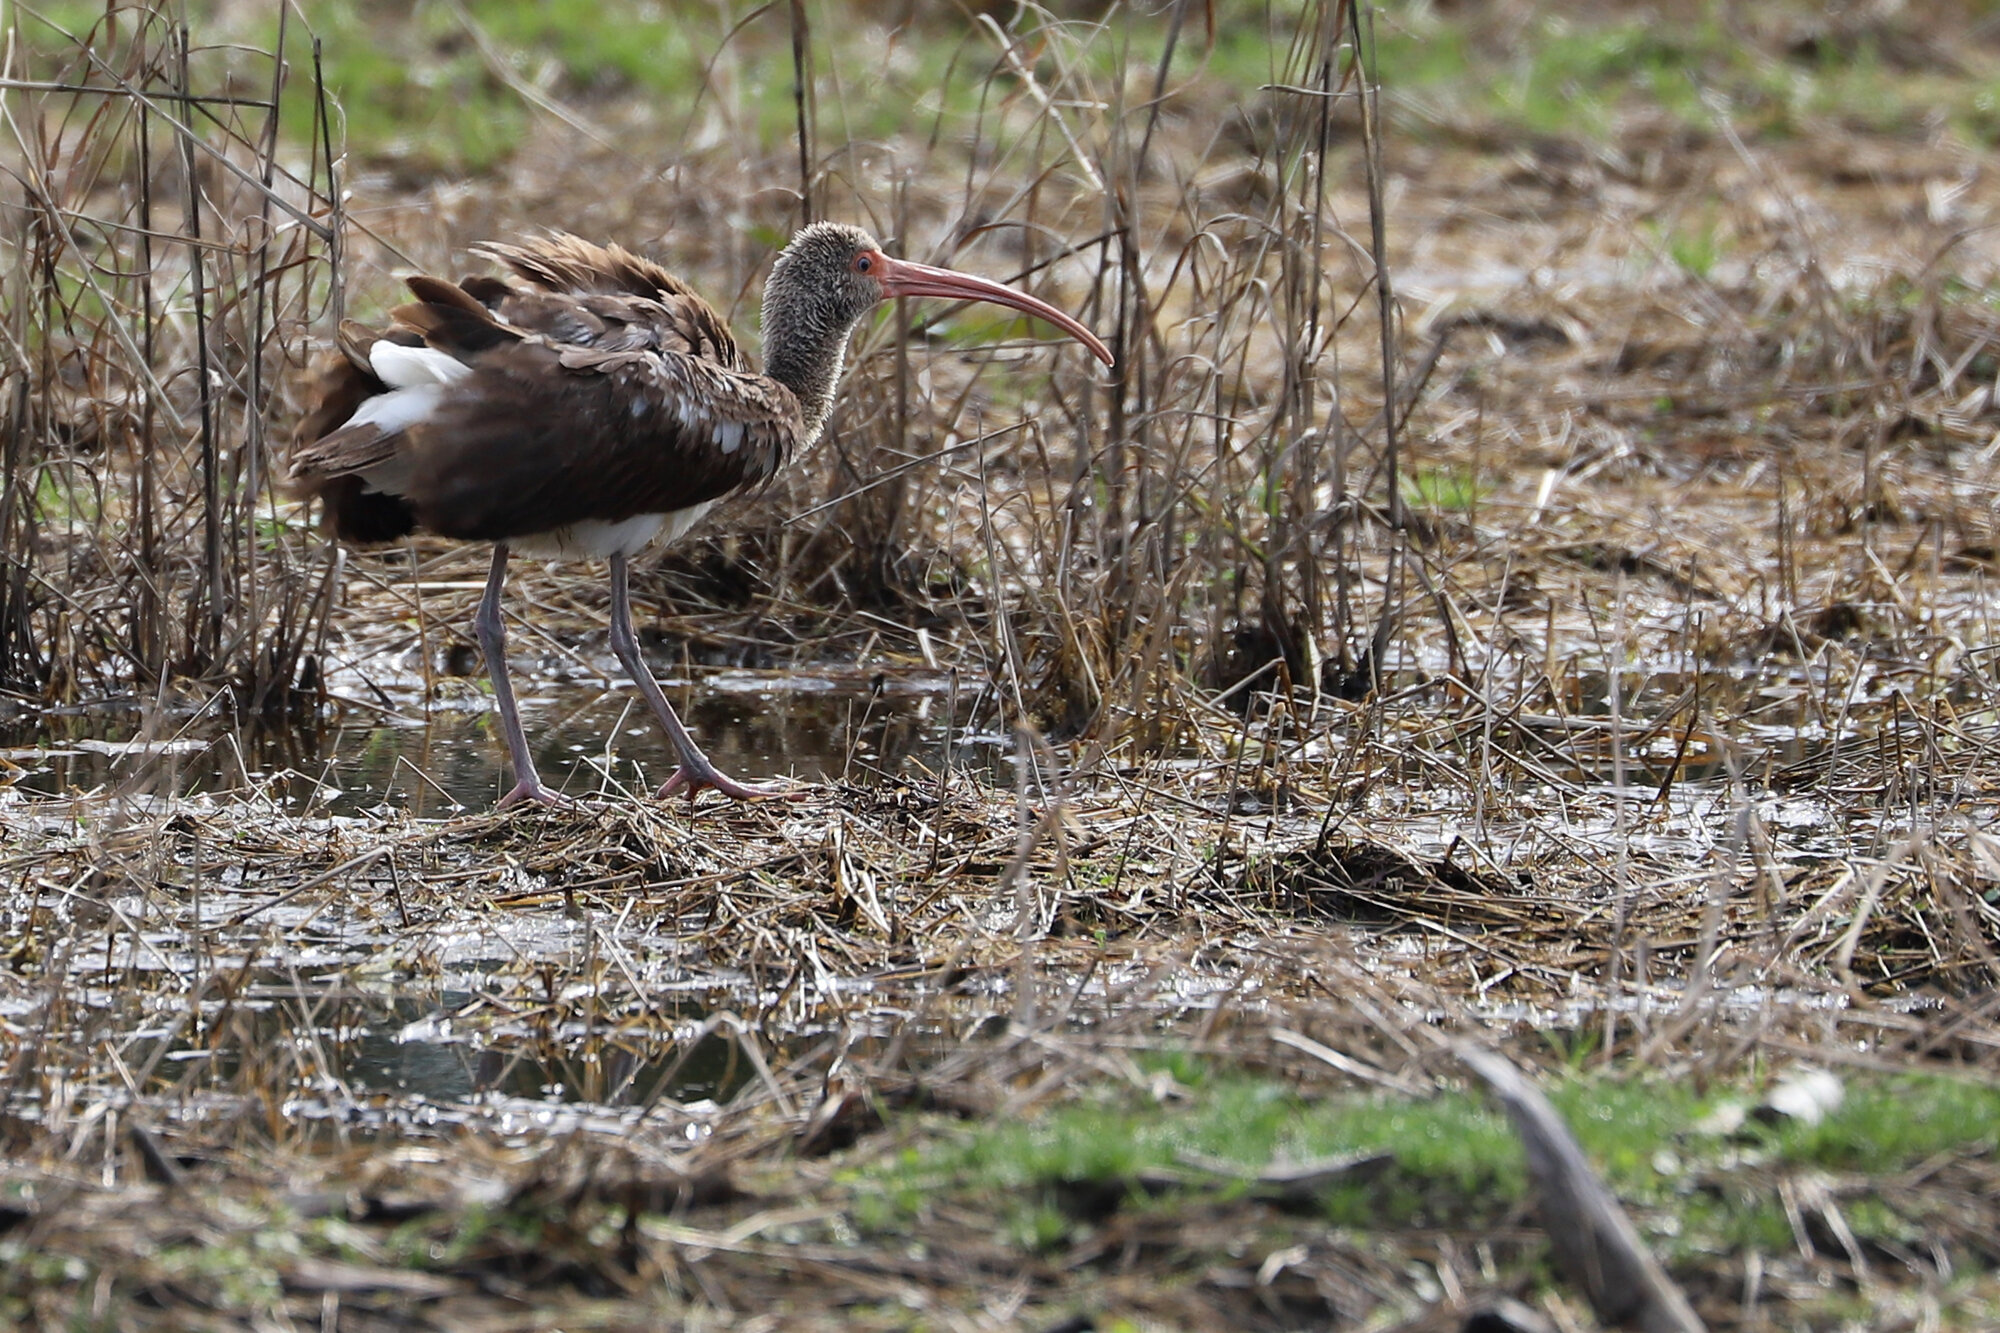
[[606, 297], [565, 263], [436, 291], [600, 382], [489, 291], [451, 320], [554, 436]]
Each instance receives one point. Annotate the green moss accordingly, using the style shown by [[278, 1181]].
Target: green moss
[[1447, 490], [1893, 1124], [1456, 1161]]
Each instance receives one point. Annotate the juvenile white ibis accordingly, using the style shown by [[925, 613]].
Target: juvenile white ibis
[[588, 405]]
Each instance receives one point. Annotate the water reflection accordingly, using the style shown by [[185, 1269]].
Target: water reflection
[[348, 1046], [586, 740], [407, 1050], [388, 749]]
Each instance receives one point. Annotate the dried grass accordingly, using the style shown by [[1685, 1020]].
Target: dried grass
[[162, 256]]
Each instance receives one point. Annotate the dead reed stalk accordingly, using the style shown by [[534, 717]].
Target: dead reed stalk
[[165, 243], [1221, 509]]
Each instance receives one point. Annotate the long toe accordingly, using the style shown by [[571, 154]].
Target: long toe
[[693, 778], [533, 791]]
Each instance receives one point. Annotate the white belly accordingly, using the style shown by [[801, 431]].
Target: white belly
[[593, 539]]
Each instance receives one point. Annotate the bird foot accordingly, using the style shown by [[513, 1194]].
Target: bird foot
[[531, 789], [691, 778]]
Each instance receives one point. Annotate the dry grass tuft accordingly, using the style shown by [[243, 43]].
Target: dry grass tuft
[[163, 250]]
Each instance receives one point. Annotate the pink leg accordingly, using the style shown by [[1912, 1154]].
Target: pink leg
[[695, 771], [492, 633]]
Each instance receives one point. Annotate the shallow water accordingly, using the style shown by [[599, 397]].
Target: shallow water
[[387, 745], [408, 1046], [370, 1042], [433, 761]]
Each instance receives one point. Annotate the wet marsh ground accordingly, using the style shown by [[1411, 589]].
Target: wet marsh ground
[[1176, 796]]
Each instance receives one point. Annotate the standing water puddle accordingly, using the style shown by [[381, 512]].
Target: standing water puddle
[[815, 728], [386, 751], [357, 1045], [371, 1022]]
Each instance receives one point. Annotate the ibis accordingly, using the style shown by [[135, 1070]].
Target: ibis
[[584, 404]]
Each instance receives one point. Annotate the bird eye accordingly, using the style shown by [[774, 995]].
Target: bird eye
[[864, 263]]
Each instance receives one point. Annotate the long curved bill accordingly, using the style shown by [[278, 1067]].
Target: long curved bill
[[900, 277]]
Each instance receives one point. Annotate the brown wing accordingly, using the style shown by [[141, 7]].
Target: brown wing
[[600, 388], [576, 267], [543, 435], [573, 283]]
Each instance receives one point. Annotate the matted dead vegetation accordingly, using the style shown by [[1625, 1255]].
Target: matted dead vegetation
[[1622, 697], [720, 1004]]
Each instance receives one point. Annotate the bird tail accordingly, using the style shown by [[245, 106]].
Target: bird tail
[[346, 381], [451, 319]]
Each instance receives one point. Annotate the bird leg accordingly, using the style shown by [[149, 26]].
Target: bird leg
[[492, 632], [695, 771]]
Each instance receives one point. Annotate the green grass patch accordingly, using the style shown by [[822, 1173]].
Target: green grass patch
[[1444, 490], [65, 494], [416, 93], [419, 89], [424, 92], [1559, 74], [1894, 1124], [1456, 1160]]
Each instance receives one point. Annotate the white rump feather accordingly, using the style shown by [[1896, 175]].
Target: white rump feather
[[406, 367], [399, 409]]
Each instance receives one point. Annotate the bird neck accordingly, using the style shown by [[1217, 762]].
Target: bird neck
[[810, 371], [804, 346]]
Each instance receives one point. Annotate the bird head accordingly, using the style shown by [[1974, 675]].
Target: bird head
[[834, 274]]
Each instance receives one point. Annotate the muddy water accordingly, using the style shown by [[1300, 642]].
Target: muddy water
[[401, 749], [435, 760], [382, 1048]]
